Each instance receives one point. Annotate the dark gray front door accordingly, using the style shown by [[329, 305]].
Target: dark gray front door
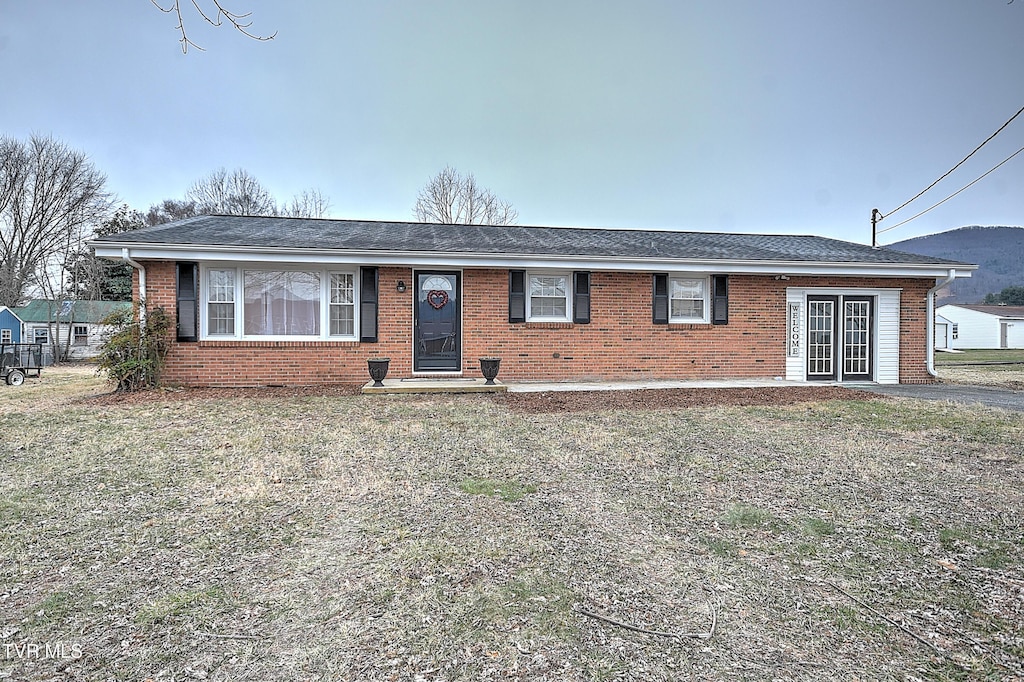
[[437, 333]]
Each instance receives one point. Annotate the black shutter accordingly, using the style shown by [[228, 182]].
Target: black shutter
[[368, 305], [660, 299], [720, 299], [517, 296], [187, 294], [581, 297]]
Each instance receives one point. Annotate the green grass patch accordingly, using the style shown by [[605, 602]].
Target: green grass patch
[[720, 546], [950, 538], [816, 527], [996, 558], [748, 516], [57, 606], [193, 603]]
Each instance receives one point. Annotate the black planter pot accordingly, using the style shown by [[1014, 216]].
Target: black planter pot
[[378, 369], [489, 368]]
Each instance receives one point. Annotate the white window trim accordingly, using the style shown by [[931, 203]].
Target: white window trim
[[239, 269], [75, 335], [6, 335], [706, 318], [530, 317]]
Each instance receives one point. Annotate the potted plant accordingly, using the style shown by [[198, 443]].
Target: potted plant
[[489, 368], [378, 369]]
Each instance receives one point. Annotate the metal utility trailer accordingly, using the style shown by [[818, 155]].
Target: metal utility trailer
[[18, 360]]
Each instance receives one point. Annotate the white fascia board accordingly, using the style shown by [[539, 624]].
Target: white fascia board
[[533, 261]]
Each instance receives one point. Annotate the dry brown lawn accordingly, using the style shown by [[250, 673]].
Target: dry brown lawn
[[253, 536], [1002, 376]]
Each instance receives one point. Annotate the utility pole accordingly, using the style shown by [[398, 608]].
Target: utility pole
[[876, 215]]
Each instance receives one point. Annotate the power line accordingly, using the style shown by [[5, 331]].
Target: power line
[[944, 175], [893, 227]]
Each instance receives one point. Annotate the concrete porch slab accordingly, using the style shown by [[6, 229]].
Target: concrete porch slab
[[434, 385]]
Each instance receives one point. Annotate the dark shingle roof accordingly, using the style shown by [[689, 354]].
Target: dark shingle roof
[[362, 236]]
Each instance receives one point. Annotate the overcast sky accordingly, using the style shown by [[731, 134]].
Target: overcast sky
[[782, 116]]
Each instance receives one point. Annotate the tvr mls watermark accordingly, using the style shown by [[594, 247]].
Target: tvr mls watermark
[[42, 651]]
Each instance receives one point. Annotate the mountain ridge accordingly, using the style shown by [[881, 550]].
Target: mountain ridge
[[998, 251]]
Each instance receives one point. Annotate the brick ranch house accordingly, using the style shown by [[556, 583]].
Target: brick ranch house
[[287, 301]]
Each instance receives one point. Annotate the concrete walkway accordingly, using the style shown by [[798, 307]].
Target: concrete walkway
[[476, 385]]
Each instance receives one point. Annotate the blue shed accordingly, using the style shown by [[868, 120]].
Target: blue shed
[[11, 326]]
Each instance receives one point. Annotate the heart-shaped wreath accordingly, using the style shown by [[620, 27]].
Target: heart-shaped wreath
[[437, 298]]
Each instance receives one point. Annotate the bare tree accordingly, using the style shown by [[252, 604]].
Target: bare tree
[[449, 197], [240, 21], [234, 193], [100, 279], [169, 210], [50, 196], [310, 204]]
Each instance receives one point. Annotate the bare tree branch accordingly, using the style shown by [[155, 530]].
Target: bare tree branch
[[238, 21], [50, 195], [452, 198], [310, 204], [234, 193]]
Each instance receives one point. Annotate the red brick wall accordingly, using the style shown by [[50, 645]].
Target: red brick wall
[[620, 342], [914, 332]]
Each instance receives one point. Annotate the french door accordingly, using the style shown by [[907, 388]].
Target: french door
[[840, 338]]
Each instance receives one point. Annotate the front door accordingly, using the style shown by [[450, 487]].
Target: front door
[[437, 332], [840, 338]]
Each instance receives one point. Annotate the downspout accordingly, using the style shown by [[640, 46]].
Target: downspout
[[930, 322], [142, 284]]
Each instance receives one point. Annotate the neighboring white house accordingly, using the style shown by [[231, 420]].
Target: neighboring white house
[[69, 330], [982, 326]]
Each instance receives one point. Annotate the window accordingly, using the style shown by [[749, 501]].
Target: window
[[253, 303], [220, 297], [281, 303], [956, 330], [80, 335], [343, 304], [5, 335], [688, 299], [548, 297], [40, 335]]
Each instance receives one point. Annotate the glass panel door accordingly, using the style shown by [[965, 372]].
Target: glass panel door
[[437, 335], [821, 347], [856, 338]]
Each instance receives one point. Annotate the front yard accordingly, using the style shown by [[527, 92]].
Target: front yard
[[461, 538]]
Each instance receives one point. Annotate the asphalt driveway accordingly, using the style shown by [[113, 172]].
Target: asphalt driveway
[[957, 393]]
